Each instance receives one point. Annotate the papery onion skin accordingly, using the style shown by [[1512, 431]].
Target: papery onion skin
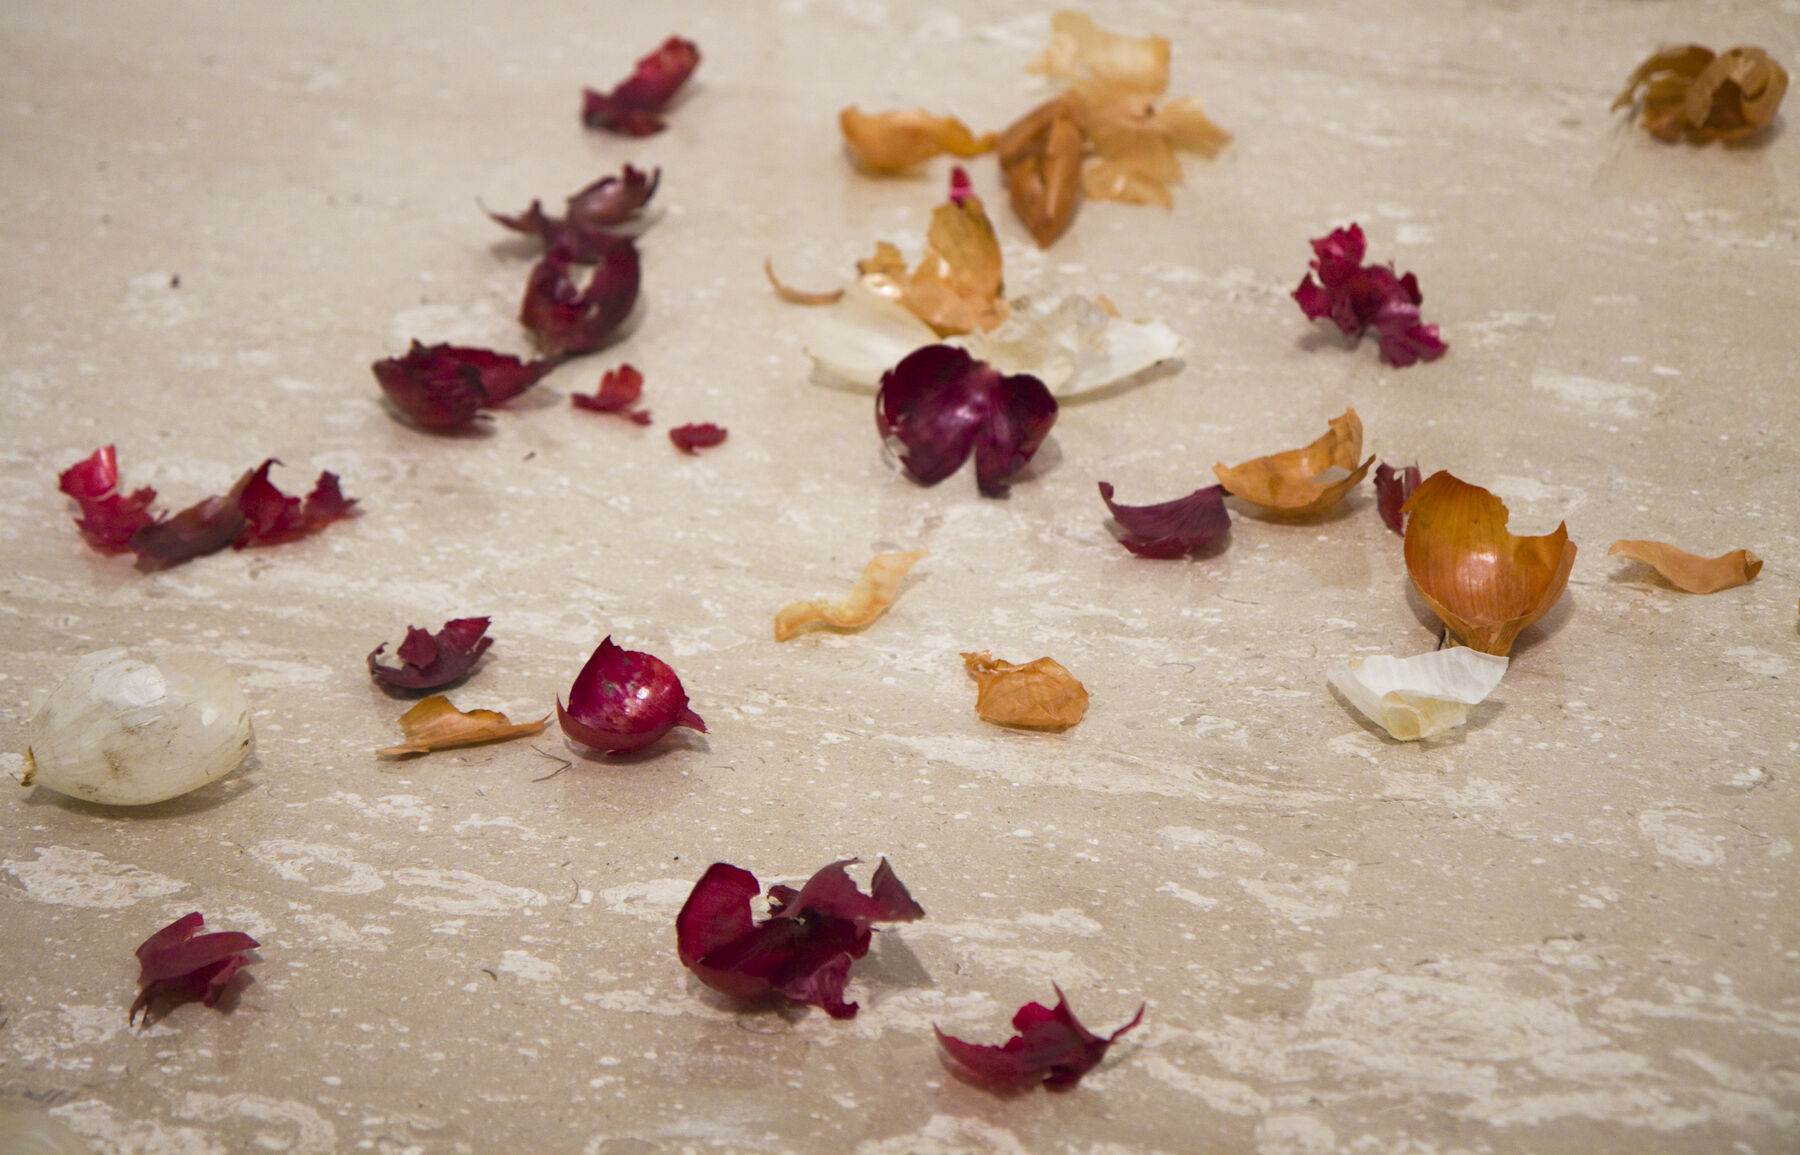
[[634, 106], [429, 660], [1170, 529], [566, 321], [1051, 1046], [444, 386], [1727, 97], [695, 436], [1690, 572], [939, 404], [624, 700], [596, 218], [618, 394], [1392, 488], [1484, 583], [180, 963], [121, 732]]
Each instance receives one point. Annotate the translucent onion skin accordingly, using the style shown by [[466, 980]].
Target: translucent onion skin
[[122, 732], [623, 700]]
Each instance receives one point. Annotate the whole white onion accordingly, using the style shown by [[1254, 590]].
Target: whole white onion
[[125, 733]]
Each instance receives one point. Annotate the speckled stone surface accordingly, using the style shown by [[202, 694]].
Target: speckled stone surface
[[1571, 927]]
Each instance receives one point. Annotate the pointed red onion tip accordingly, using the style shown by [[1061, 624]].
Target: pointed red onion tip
[[1392, 488], [635, 105], [624, 700], [618, 394], [939, 404], [1051, 1046], [429, 660], [1171, 528], [178, 963], [804, 949], [694, 437], [565, 320], [961, 187], [1357, 297], [595, 219], [443, 386]]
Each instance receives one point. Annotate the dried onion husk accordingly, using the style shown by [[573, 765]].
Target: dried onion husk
[[875, 590], [1691, 572], [1302, 481], [885, 142], [435, 724], [1688, 89], [1422, 696], [1485, 583], [127, 733], [956, 286], [1041, 694]]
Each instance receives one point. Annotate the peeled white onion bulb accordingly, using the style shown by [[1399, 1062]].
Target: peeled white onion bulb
[[125, 733]]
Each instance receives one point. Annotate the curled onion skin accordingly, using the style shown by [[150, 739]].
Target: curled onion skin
[[624, 700], [122, 732]]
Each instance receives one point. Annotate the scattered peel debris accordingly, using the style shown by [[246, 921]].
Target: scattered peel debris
[[1105, 134], [445, 386], [617, 394], [1392, 488], [1691, 572], [874, 592], [1421, 696], [1303, 481], [804, 949], [795, 296], [1688, 89], [1170, 529], [429, 660], [254, 512], [1357, 297], [624, 700], [1041, 694], [595, 219], [178, 964], [695, 436], [1485, 583], [565, 320], [435, 724], [957, 284], [636, 105], [1051, 1047], [939, 404], [893, 141]]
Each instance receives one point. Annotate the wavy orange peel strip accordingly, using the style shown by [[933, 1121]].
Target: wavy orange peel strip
[[874, 592]]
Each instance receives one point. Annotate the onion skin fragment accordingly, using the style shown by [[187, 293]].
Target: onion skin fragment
[[875, 590], [1039, 695], [896, 140], [1051, 1046], [1295, 483], [1691, 572], [1482, 581], [624, 700], [1688, 89]]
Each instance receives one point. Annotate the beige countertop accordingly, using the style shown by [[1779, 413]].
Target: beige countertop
[[1570, 927]]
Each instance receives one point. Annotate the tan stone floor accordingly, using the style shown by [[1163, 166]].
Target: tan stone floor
[[1570, 927]]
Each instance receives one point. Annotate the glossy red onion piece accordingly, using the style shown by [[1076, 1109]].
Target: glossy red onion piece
[[595, 219], [624, 700], [618, 394], [108, 518], [939, 404], [272, 516], [1051, 1046], [565, 320], [443, 386], [695, 437], [804, 949], [1357, 297], [1392, 488], [179, 963], [429, 660], [1171, 528], [633, 108]]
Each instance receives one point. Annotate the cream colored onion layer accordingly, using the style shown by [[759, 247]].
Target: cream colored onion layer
[[1422, 696]]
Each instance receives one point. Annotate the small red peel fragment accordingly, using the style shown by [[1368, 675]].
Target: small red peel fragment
[[180, 964], [596, 218], [1051, 1046], [804, 949], [624, 700], [565, 320], [618, 394], [108, 518], [939, 404], [1392, 488], [694, 437], [431, 660], [1171, 528], [443, 386], [1358, 297], [634, 107]]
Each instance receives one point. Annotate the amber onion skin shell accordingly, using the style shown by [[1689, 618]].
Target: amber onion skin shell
[[1485, 583]]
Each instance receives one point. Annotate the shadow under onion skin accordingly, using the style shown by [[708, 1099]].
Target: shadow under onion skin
[[1483, 582]]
